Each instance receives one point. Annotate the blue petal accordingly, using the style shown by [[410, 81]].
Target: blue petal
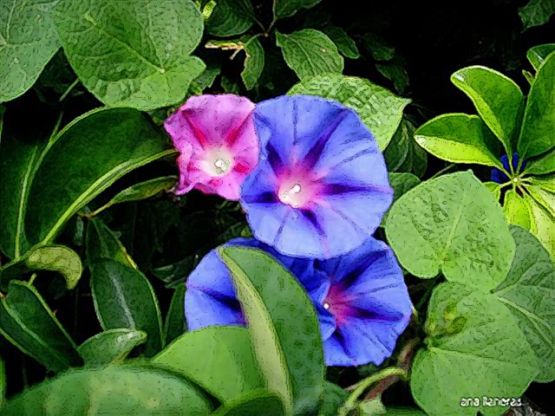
[[327, 321]]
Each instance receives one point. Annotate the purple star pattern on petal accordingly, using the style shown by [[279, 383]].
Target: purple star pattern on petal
[[217, 143], [321, 187]]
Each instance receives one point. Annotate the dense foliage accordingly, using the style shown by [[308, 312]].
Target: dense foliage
[[104, 235]]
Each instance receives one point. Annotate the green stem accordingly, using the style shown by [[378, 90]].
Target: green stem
[[361, 386], [68, 90], [442, 171]]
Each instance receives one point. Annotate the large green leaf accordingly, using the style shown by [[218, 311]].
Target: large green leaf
[[174, 324], [528, 292], [538, 54], [310, 52], [536, 136], [28, 323], [542, 165], [254, 403], [474, 348], [111, 391], [123, 298], [132, 53], [289, 350], [86, 157], [254, 62], [378, 108], [458, 228], [111, 346], [536, 13], [219, 359], [28, 40], [497, 99], [459, 138], [230, 18], [102, 243], [542, 224], [286, 8], [345, 44], [401, 182]]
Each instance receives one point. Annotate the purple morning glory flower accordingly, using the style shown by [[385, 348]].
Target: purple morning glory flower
[[367, 302], [321, 187], [499, 176]]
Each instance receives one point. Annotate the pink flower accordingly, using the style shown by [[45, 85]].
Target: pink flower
[[217, 143]]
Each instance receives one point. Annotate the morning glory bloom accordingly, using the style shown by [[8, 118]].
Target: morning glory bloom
[[321, 187], [217, 143], [499, 176], [367, 302]]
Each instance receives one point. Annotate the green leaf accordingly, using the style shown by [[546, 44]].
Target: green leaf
[[310, 52], [543, 197], [219, 359], [545, 182], [536, 13], [289, 350], [516, 209], [28, 323], [28, 40], [401, 182], [118, 390], [286, 8], [542, 165], [528, 292], [132, 54], [345, 44], [230, 18], [2, 382], [378, 108], [474, 348], [454, 225], [396, 73], [175, 318], [110, 347], [494, 188], [102, 243], [459, 138], [332, 399], [84, 159], [204, 80], [404, 411], [536, 136], [123, 298], [403, 154], [538, 54], [497, 99], [254, 403], [254, 62], [139, 192], [378, 47], [542, 224]]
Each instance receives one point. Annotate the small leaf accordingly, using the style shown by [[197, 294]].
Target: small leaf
[[28, 40], [132, 54], [175, 318], [310, 52], [459, 229], [102, 243], [536, 136], [117, 390], [289, 351], [230, 18], [286, 8], [497, 99], [528, 292], [538, 54], [459, 138], [332, 399], [474, 348], [403, 154], [345, 44], [378, 47], [110, 347], [219, 359], [516, 209], [378, 108], [204, 80], [253, 403], [123, 298], [543, 165], [254, 63], [28, 323], [536, 13]]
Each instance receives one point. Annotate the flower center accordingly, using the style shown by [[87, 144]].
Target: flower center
[[217, 162], [326, 305], [292, 195]]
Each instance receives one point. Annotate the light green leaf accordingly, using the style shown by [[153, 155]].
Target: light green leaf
[[542, 225], [110, 347], [310, 52], [401, 182], [494, 188], [253, 403], [474, 348], [102, 243], [497, 99], [345, 44], [528, 292], [204, 80], [230, 18], [118, 390], [254, 62], [378, 108], [28, 323], [286, 8], [459, 138], [536, 13], [537, 55], [219, 359], [536, 136], [545, 182], [175, 325], [516, 209], [84, 159], [28, 40], [459, 229], [543, 197], [132, 53], [542, 165], [124, 298], [289, 351]]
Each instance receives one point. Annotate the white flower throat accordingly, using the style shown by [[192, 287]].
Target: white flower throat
[[292, 196]]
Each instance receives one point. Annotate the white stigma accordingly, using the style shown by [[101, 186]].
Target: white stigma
[[289, 196], [326, 305], [221, 165]]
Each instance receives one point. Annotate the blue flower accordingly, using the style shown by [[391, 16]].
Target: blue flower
[[321, 187], [499, 176]]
